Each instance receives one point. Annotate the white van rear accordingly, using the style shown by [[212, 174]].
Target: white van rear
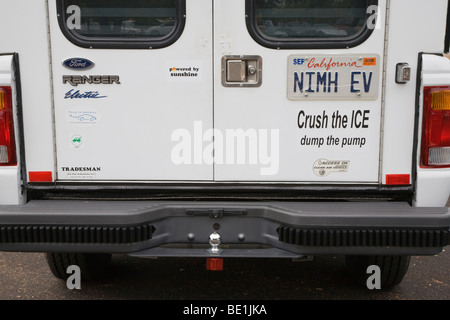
[[221, 129]]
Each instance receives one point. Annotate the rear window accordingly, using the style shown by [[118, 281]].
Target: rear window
[[122, 23], [311, 23]]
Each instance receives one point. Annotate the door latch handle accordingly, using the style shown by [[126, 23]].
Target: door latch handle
[[241, 71]]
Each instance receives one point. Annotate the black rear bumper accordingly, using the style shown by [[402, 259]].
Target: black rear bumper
[[247, 229]]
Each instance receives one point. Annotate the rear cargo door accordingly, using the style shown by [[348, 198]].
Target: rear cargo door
[[236, 90], [298, 90], [131, 80]]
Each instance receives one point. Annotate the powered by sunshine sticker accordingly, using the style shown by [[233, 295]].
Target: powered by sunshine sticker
[[323, 167], [184, 71]]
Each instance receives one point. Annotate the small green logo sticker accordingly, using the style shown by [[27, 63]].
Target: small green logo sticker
[[77, 140]]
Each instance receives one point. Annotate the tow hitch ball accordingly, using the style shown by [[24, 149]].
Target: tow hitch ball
[[214, 264]]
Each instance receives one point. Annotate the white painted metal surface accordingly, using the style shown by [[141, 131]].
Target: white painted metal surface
[[269, 108], [151, 128], [25, 33], [139, 122], [145, 122], [424, 22]]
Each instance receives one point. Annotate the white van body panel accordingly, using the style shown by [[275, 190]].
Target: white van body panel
[[268, 107], [419, 20], [141, 138], [144, 136], [28, 37], [131, 138]]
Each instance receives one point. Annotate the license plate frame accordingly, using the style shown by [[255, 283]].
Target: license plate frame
[[333, 77]]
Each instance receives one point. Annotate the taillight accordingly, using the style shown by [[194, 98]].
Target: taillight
[[435, 151], [8, 155]]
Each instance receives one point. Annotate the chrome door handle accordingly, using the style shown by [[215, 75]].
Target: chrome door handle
[[241, 71]]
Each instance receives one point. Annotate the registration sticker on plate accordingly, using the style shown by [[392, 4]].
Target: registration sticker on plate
[[333, 77]]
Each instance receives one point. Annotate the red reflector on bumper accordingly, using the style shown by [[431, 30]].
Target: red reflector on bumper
[[40, 176], [398, 179], [214, 264]]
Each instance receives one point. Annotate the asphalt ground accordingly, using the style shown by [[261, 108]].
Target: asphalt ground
[[26, 276]]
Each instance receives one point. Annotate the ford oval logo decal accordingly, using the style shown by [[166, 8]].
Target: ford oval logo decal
[[78, 64]]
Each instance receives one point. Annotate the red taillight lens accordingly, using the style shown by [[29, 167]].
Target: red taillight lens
[[7, 140], [435, 151]]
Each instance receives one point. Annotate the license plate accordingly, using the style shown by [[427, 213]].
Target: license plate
[[333, 77]]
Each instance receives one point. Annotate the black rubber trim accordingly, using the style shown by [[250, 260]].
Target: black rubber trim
[[423, 238], [417, 119], [75, 234], [211, 191], [290, 43], [123, 43], [447, 33], [20, 125]]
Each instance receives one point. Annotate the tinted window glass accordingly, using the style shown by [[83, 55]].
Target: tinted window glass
[[309, 19], [120, 20], [311, 24]]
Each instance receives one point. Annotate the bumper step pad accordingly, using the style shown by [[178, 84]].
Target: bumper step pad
[[75, 234], [364, 237]]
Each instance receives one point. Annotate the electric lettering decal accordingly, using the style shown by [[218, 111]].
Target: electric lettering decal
[[72, 94]]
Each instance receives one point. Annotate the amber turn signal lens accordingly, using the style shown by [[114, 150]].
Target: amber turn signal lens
[[440, 100]]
